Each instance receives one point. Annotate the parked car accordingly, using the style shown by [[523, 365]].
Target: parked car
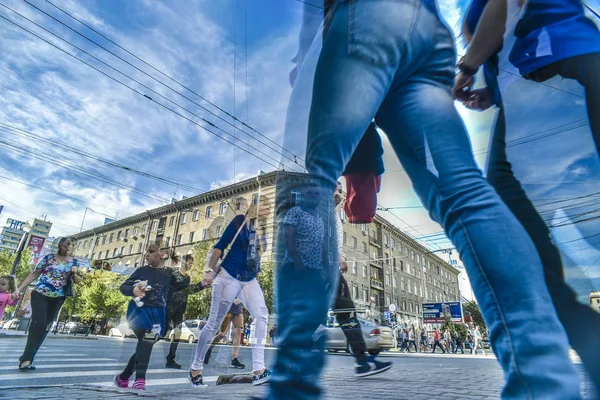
[[186, 331], [121, 330], [74, 328], [377, 337], [12, 324]]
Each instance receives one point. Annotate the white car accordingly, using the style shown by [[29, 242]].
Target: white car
[[121, 330], [186, 331]]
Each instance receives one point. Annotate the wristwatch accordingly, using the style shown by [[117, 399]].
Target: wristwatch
[[209, 270], [465, 69]]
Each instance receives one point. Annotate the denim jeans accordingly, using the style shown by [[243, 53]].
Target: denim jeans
[[394, 61], [578, 319]]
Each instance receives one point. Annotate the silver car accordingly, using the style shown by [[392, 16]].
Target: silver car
[[186, 331], [377, 337], [122, 330]]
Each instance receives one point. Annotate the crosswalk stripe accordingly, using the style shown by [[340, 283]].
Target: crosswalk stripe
[[61, 374], [54, 359], [150, 382], [66, 365]]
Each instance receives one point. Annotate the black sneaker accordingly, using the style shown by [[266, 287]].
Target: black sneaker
[[207, 356], [235, 363], [262, 378], [173, 364], [371, 367], [196, 381]]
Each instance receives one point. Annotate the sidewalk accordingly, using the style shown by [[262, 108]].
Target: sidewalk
[[11, 334]]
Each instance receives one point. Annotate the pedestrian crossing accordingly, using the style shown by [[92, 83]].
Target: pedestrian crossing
[[60, 366]]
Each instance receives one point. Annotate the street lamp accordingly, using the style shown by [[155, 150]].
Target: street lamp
[[26, 229]]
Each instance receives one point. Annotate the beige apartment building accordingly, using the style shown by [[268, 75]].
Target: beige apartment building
[[386, 266], [595, 300]]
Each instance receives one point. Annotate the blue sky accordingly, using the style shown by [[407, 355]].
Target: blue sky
[[50, 94]]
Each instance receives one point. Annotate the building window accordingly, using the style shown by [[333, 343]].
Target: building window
[[104, 239], [415, 288], [354, 242], [196, 215], [392, 243], [255, 199], [208, 211], [172, 221], [365, 295], [219, 227], [183, 218], [364, 274], [107, 254], [111, 238], [92, 257], [344, 238], [120, 235], [354, 267], [363, 228], [365, 250], [385, 239], [122, 251], [130, 249], [354, 291], [144, 228], [126, 233], [387, 300], [238, 203], [140, 248], [179, 239], [343, 216], [402, 283], [205, 233], [387, 258], [191, 237], [420, 291], [394, 281], [387, 279], [97, 241], [84, 244], [135, 231], [222, 209], [115, 252], [168, 241], [153, 228], [403, 305], [252, 224], [409, 287], [412, 254], [296, 198]]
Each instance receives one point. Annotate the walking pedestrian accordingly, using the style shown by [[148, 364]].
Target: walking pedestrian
[[411, 338], [399, 71], [424, 341], [235, 277], [562, 26], [149, 288], [177, 305], [55, 272], [477, 340], [235, 315], [345, 309], [8, 297], [436, 341], [458, 344]]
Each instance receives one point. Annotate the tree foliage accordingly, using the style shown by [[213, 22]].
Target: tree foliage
[[473, 308], [23, 269]]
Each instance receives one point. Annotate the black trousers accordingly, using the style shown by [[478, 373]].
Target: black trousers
[[349, 324], [140, 359], [174, 318], [43, 311]]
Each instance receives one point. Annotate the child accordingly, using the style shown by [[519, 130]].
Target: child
[[8, 297], [146, 314]]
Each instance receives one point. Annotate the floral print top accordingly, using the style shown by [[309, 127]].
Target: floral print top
[[54, 275]]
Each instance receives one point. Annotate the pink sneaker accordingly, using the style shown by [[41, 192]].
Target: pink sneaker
[[122, 383], [139, 384]]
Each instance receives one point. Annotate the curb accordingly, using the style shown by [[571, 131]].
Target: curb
[[5, 336], [76, 386]]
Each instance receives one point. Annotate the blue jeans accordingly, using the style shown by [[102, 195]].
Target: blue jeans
[[578, 319], [394, 61]]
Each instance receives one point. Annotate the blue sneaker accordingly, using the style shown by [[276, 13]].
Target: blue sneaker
[[262, 378], [371, 367]]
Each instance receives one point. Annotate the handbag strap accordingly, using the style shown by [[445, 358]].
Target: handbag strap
[[236, 236]]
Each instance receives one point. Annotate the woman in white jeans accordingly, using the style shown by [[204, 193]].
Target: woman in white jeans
[[236, 277]]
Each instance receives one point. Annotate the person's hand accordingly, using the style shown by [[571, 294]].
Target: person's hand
[[139, 290], [208, 279], [480, 100], [15, 295], [462, 86]]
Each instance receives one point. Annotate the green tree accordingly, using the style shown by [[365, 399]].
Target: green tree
[[473, 308], [199, 303], [266, 281], [23, 269]]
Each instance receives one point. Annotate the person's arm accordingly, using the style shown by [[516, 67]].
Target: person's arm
[[77, 277], [131, 288], [179, 281], [488, 37], [290, 244], [30, 278]]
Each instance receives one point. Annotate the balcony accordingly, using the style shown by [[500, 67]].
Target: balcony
[[376, 284], [376, 263], [374, 241]]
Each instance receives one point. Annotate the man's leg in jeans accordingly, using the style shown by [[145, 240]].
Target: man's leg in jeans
[[354, 75], [578, 319], [585, 69], [301, 307], [349, 324]]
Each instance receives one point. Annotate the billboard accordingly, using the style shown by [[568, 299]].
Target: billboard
[[435, 313], [36, 245]]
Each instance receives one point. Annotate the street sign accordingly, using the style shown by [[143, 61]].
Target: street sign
[[434, 313], [392, 308], [387, 315]]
